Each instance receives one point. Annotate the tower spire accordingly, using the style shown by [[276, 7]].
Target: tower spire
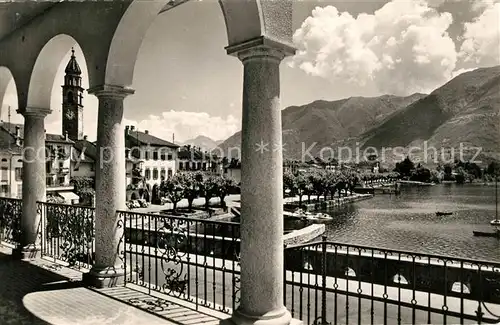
[[72, 106]]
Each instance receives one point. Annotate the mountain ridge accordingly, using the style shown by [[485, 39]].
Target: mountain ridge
[[465, 110]]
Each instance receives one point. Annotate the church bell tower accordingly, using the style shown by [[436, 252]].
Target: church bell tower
[[72, 106]]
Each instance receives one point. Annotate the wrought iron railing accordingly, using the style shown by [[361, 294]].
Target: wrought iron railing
[[68, 233], [195, 260], [333, 283], [10, 220]]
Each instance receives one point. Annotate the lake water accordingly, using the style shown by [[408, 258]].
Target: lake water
[[408, 222]]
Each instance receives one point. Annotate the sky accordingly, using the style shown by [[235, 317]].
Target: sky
[[186, 85]]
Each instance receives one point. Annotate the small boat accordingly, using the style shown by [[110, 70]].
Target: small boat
[[439, 213], [487, 233]]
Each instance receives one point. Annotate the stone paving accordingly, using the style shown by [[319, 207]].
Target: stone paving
[[40, 292]]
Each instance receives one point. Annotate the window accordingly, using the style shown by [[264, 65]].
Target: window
[[198, 167], [70, 97], [181, 165], [170, 156], [155, 155], [49, 181], [4, 160], [5, 174], [61, 165], [155, 173], [163, 157], [62, 180], [4, 190], [147, 173], [19, 174], [147, 154], [162, 174], [169, 173], [204, 166]]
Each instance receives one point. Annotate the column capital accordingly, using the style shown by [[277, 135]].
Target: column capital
[[112, 91], [34, 112], [261, 47]]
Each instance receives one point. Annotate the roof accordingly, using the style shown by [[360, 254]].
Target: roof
[[72, 67], [148, 139], [49, 137], [8, 142], [88, 148]]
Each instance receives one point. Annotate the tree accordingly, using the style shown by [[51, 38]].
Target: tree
[[173, 189], [460, 176], [302, 186], [289, 182], [493, 168], [209, 188], [191, 184], [84, 188], [223, 188], [405, 167], [317, 180]]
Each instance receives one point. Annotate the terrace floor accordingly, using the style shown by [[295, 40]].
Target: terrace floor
[[40, 292]]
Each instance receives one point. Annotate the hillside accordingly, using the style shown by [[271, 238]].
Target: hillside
[[463, 111], [326, 123], [203, 142]]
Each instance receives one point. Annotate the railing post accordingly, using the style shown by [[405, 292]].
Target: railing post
[[323, 284]]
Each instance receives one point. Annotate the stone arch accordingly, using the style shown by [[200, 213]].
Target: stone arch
[[6, 78], [45, 69], [244, 20]]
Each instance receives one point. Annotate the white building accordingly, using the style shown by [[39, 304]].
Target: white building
[[152, 157], [59, 150]]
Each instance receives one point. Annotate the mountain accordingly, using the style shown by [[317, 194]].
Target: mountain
[[463, 112], [329, 123], [203, 142]]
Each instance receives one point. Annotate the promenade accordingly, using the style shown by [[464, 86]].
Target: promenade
[[38, 292]]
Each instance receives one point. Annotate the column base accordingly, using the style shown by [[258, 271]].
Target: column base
[[27, 252], [104, 277], [278, 318]]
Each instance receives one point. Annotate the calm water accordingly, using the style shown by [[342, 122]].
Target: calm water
[[408, 222]]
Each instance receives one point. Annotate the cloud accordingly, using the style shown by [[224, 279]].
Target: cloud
[[185, 125], [188, 125], [481, 45], [402, 48]]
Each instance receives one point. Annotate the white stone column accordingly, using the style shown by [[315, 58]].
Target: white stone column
[[110, 186], [34, 186], [261, 187]]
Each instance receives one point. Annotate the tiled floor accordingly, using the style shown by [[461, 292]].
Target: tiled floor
[[40, 292]]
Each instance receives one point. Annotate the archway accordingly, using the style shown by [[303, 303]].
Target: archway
[[8, 94], [46, 67], [48, 76]]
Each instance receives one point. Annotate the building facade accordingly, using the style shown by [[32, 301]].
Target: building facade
[[192, 158]]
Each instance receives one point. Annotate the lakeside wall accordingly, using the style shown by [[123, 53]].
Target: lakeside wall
[[336, 202]]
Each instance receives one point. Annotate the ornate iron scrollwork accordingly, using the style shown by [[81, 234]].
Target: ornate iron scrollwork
[[10, 217], [73, 228], [171, 238]]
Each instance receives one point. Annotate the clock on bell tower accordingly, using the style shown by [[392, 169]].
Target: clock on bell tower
[[72, 106]]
